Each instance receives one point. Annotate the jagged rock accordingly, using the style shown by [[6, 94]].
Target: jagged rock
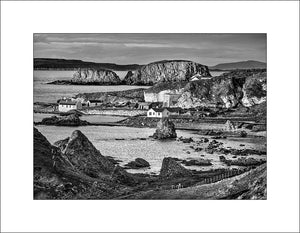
[[137, 163], [165, 129], [172, 169], [185, 140], [120, 175], [243, 134], [61, 144], [85, 157], [197, 162], [69, 120], [166, 71], [242, 161], [93, 76]]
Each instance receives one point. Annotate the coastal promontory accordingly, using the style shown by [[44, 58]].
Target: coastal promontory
[[91, 76], [166, 71]]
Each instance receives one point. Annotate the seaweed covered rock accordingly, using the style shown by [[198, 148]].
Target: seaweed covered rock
[[165, 129], [172, 169], [68, 120]]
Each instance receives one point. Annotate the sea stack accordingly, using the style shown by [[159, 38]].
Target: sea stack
[[165, 130]]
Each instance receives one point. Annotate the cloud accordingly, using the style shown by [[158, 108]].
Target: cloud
[[122, 48]]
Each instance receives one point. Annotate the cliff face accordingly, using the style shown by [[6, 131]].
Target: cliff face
[[165, 71], [247, 88], [93, 76]]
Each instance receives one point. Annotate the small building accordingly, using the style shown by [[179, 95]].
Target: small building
[[148, 105], [66, 105], [144, 105], [170, 99], [93, 103], [158, 112], [174, 111]]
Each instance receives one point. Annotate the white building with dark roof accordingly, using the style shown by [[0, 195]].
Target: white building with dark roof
[[66, 105], [158, 112]]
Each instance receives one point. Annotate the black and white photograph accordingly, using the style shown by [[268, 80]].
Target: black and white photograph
[[147, 116]]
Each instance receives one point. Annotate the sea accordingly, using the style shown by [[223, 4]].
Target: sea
[[122, 143], [48, 93]]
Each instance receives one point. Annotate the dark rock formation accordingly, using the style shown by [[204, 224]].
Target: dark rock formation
[[121, 176], [242, 161], [166, 71], [185, 140], [243, 134], [137, 163], [172, 169], [84, 156], [69, 120], [197, 162], [94, 76], [165, 129]]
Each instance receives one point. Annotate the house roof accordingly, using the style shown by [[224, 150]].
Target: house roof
[[158, 109], [67, 102], [95, 101], [173, 109]]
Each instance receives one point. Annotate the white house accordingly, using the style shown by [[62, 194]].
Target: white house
[[158, 112], [66, 105]]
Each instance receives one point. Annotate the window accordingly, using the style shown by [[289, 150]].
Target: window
[[158, 113], [150, 113]]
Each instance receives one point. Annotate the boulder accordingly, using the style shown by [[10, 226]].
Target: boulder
[[165, 129], [137, 163], [172, 169]]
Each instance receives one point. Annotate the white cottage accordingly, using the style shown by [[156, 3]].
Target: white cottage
[[67, 105], [158, 112]]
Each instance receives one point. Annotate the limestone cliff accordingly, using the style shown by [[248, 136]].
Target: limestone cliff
[[93, 76], [166, 71]]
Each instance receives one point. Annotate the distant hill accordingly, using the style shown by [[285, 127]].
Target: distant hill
[[240, 65], [66, 64]]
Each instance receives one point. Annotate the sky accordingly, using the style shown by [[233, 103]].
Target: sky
[[206, 49]]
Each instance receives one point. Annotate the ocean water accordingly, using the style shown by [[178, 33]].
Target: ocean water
[[48, 93], [131, 147]]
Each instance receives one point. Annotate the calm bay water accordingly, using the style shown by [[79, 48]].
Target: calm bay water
[[132, 147], [51, 93]]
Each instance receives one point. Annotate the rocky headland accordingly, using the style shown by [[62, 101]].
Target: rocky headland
[[91, 76], [165, 71]]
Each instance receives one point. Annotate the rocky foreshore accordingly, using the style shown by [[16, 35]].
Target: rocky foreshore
[[67, 120], [74, 169]]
